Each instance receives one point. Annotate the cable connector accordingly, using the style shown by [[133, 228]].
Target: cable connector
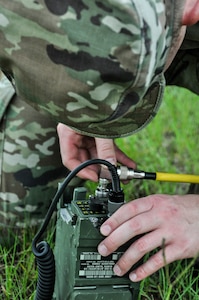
[[126, 173], [115, 201]]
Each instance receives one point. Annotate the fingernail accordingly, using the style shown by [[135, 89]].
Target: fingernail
[[102, 250], [133, 277], [105, 229], [117, 270]]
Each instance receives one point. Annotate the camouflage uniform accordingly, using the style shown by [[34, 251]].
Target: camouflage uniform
[[96, 66], [30, 164]]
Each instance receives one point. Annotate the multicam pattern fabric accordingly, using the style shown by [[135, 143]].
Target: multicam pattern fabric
[[95, 65], [30, 164]]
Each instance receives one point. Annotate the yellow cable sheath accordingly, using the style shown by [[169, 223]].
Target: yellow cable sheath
[[177, 177]]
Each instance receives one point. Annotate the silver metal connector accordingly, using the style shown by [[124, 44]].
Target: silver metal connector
[[101, 191], [126, 173]]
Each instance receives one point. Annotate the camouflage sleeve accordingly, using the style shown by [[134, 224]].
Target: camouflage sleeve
[[184, 70]]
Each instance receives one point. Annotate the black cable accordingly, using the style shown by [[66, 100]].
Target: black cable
[[115, 186], [46, 272], [43, 253]]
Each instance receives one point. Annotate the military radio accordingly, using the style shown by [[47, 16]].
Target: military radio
[[75, 270], [87, 275]]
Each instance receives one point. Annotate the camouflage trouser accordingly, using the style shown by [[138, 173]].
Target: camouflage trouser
[[30, 165]]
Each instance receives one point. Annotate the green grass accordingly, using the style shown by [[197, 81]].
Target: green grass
[[17, 271], [168, 144]]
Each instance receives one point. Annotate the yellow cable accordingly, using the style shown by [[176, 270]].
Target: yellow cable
[[177, 177]]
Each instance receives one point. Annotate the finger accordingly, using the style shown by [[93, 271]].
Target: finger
[[68, 141], [126, 212], [137, 250], [88, 173], [78, 155], [106, 150], [123, 159], [154, 263], [74, 151], [138, 225]]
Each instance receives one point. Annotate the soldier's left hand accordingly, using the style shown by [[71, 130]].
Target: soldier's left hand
[[76, 148]]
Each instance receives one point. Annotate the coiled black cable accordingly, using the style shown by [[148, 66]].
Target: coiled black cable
[[42, 251], [46, 272]]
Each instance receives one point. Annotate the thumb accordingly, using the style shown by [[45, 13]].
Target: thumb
[[106, 150]]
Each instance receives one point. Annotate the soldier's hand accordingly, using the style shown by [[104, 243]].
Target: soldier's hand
[[76, 148], [164, 222]]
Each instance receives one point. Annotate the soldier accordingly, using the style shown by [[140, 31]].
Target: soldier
[[98, 67]]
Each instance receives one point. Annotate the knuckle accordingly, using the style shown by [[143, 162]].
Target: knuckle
[[158, 260], [132, 208], [142, 246], [113, 222], [142, 272], [111, 243], [152, 265], [135, 225], [124, 263], [157, 199]]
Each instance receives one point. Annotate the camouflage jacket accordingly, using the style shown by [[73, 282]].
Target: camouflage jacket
[[79, 61], [184, 70]]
